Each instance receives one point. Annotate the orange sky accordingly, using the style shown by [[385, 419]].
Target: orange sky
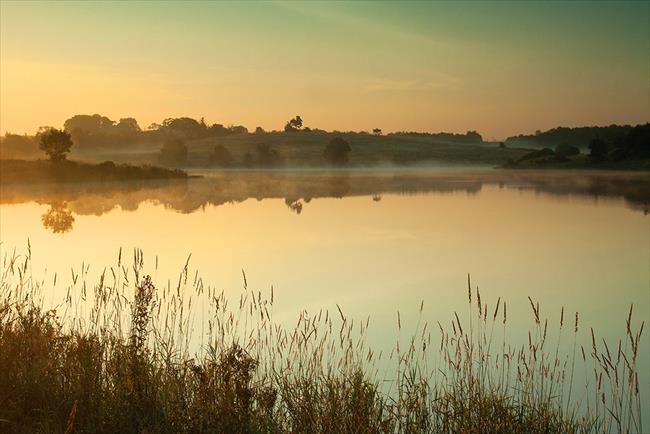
[[499, 68]]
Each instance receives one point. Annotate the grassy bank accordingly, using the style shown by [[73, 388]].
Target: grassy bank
[[41, 171], [115, 357]]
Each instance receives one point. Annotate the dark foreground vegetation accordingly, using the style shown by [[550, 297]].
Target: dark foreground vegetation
[[125, 366], [42, 171]]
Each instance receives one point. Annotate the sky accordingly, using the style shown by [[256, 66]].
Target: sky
[[501, 68]]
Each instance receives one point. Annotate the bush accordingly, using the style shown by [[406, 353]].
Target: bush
[[173, 153], [546, 152], [266, 156], [566, 150], [337, 151], [598, 150], [221, 156]]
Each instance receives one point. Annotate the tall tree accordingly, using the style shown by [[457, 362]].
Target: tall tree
[[293, 125], [55, 143]]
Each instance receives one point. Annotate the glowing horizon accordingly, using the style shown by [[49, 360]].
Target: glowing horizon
[[498, 68]]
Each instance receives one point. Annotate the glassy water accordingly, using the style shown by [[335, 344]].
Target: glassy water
[[372, 242]]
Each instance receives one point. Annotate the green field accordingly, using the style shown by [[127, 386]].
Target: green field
[[306, 148]]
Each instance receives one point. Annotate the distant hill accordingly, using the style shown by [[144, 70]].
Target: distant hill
[[579, 136], [97, 138]]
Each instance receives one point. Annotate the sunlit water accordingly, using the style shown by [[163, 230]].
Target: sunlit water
[[373, 243]]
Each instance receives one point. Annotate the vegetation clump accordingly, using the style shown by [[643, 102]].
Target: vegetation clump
[[628, 151], [221, 156], [567, 150], [55, 143], [173, 153], [337, 151], [39, 171]]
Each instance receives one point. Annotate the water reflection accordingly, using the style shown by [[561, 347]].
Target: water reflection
[[58, 218], [300, 187]]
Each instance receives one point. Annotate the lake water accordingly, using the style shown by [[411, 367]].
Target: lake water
[[372, 242]]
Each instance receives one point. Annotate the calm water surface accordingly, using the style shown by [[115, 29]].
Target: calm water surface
[[371, 242]]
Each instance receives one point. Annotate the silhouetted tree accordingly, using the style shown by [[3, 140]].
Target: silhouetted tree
[[221, 156], [89, 124], [637, 142], [473, 136], [337, 151], [238, 129], [502, 145], [218, 130], [376, 131], [293, 125], [55, 143], [173, 152], [597, 149], [259, 130], [127, 126], [185, 128]]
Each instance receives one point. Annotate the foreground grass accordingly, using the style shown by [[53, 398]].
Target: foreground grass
[[115, 357]]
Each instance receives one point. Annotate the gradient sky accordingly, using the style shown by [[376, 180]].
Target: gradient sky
[[501, 68]]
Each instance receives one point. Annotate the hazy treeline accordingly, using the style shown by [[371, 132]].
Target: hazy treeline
[[626, 150], [188, 142], [579, 136], [469, 137], [93, 132]]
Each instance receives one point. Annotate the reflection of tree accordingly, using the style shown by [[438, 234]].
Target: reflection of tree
[[338, 186], [219, 188], [294, 205], [58, 218]]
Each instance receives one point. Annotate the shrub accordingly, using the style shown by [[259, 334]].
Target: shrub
[[221, 156], [566, 150], [173, 153], [337, 151]]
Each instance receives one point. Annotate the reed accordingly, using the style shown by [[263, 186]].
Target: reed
[[120, 356]]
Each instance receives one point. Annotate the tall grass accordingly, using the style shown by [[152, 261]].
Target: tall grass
[[122, 355]]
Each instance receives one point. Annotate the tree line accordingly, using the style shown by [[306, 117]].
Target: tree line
[[633, 145], [57, 144], [579, 137]]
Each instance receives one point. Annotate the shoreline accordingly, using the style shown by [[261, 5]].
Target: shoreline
[[43, 171]]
